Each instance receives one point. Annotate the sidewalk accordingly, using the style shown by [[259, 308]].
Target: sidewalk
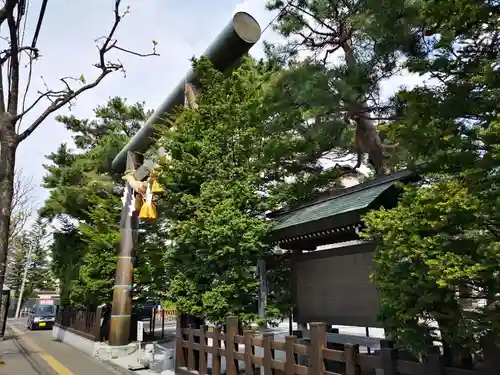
[[16, 360], [37, 353]]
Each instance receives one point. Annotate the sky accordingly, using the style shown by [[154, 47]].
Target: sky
[[183, 29]]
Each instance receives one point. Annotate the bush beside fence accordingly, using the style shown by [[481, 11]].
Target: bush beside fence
[[192, 349], [85, 322]]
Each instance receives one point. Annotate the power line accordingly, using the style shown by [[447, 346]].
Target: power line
[[39, 23], [23, 9]]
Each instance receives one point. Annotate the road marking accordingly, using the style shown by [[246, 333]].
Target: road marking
[[51, 361]]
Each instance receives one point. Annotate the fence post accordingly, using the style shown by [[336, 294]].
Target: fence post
[[351, 359], [318, 342], [267, 337], [249, 367], [202, 355], [289, 355], [162, 323], [151, 319], [433, 363], [97, 324], [191, 363], [389, 360], [180, 361], [216, 370], [231, 331], [153, 325]]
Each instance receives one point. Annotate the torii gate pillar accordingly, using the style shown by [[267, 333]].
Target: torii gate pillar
[[121, 311]]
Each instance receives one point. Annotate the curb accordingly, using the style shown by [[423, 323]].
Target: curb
[[118, 368]]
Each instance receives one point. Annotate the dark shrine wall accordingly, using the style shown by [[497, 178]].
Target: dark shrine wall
[[333, 286]]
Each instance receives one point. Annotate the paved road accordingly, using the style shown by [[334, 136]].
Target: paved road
[[36, 353]]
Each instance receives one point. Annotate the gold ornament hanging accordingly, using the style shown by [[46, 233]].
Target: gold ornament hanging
[[155, 185], [148, 209], [138, 202]]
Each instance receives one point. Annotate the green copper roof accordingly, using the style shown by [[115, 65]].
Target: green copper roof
[[354, 201]]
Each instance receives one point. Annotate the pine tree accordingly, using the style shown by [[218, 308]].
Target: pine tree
[[237, 155], [40, 275], [440, 246], [83, 188], [336, 37], [18, 261]]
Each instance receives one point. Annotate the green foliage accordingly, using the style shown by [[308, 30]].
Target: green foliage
[[441, 244], [354, 61], [18, 259], [237, 156], [86, 196], [30, 249]]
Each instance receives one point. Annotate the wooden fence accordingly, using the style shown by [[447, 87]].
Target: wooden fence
[[165, 315], [84, 322], [192, 350], [160, 317]]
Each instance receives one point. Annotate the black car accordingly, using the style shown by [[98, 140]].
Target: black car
[[144, 310], [42, 316], [148, 308]]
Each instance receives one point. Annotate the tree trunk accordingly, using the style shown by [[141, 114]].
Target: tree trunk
[[367, 137], [8, 147]]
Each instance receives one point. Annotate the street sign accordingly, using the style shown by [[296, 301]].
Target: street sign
[[140, 330]]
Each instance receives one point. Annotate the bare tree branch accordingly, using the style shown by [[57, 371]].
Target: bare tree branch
[[7, 54], [14, 65], [60, 98], [7, 9], [2, 93], [26, 90], [22, 203]]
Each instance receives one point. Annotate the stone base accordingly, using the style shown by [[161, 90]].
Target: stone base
[[105, 352]]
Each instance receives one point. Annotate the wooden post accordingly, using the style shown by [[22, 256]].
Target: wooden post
[[433, 363], [190, 360], [216, 369], [351, 359], [268, 353], [231, 331], [318, 342], [162, 323], [249, 367], [180, 361], [389, 361], [262, 301], [97, 324], [202, 356], [290, 360], [121, 311], [153, 325]]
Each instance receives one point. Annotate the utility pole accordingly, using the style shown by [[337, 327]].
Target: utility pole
[[23, 283]]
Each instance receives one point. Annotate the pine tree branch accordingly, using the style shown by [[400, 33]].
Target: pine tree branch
[[321, 22], [60, 98]]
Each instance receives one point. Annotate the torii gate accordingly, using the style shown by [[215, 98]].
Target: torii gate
[[233, 42]]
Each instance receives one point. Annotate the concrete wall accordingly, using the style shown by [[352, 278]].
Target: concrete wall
[[85, 345], [93, 348]]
